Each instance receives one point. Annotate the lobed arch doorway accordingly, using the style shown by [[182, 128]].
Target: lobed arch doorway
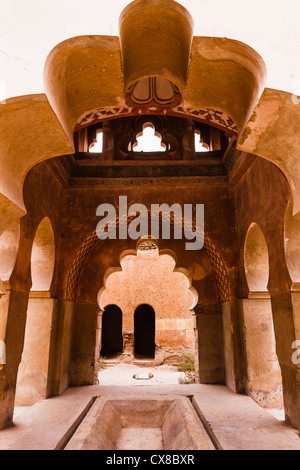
[[144, 331], [263, 372], [112, 336], [33, 378]]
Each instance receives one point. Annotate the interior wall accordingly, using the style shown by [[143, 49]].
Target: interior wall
[[42, 190], [256, 202], [210, 344], [80, 221], [83, 367], [70, 356], [234, 354], [154, 278]]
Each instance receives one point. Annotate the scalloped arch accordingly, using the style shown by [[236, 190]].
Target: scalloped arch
[[215, 258]]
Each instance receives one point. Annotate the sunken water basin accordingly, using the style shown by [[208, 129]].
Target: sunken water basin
[[156, 423]]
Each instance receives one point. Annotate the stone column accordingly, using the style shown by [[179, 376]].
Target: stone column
[[196, 347], [61, 348], [14, 340], [128, 335], [128, 347], [233, 346], [98, 342], [263, 374], [20, 285], [33, 373], [286, 314], [84, 331], [209, 351], [4, 301], [98, 334]]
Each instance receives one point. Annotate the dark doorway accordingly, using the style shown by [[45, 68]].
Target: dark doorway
[[144, 332], [112, 338]]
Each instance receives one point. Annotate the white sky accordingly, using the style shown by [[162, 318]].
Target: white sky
[[29, 29]]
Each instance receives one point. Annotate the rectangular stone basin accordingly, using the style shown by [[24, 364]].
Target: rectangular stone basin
[[168, 423]]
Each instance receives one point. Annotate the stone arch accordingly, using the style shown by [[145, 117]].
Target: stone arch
[[256, 260], [43, 257], [153, 251], [33, 372], [215, 258], [263, 372]]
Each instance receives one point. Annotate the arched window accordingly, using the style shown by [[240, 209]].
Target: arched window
[[97, 145], [200, 146], [149, 140]]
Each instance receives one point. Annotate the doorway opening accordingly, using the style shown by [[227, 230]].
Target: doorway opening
[[112, 337], [144, 332]]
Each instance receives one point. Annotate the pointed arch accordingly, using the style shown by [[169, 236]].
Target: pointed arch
[[43, 257], [256, 259]]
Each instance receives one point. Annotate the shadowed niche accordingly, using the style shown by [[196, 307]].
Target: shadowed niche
[[112, 339], [144, 331]]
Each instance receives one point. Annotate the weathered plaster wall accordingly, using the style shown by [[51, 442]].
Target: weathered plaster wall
[[264, 381], [262, 195], [83, 370], [79, 221], [34, 368], [210, 344], [42, 191], [150, 277]]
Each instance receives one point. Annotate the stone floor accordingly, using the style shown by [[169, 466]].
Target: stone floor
[[233, 422], [122, 374]]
